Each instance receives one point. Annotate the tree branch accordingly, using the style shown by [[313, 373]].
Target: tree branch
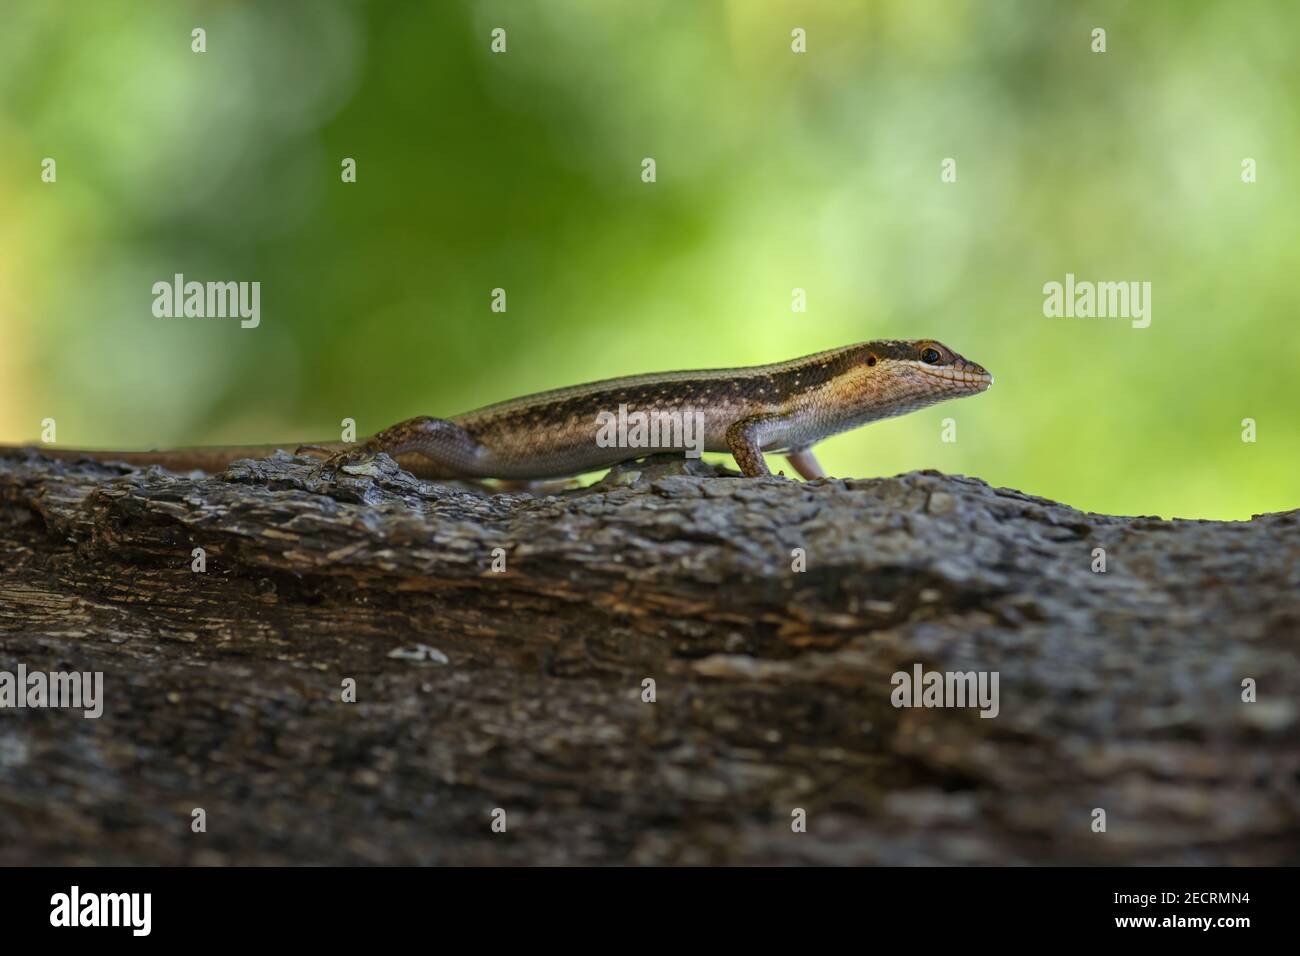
[[522, 689]]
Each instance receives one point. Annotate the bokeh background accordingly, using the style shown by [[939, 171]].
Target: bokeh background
[[775, 171]]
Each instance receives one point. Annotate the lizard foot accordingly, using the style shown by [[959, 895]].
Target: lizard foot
[[349, 456], [314, 451]]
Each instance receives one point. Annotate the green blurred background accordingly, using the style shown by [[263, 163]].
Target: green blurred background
[[775, 171]]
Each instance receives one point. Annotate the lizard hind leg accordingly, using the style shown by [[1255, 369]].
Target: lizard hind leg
[[425, 446], [805, 462]]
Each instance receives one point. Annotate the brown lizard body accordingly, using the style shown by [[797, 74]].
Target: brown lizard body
[[785, 407]]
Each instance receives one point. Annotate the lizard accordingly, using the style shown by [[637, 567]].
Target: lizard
[[785, 407]]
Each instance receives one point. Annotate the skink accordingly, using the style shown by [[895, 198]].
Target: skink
[[782, 408]]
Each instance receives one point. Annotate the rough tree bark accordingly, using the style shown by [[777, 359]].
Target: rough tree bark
[[522, 690]]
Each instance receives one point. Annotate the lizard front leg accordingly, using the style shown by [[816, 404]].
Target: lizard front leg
[[427, 447], [745, 439], [805, 462]]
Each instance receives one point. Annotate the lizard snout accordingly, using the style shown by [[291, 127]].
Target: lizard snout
[[978, 375]]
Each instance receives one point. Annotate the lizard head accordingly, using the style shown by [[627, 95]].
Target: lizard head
[[911, 374]]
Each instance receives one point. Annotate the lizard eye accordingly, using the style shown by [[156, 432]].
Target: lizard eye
[[930, 356]]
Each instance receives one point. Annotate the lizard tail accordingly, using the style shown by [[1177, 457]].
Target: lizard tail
[[209, 459]]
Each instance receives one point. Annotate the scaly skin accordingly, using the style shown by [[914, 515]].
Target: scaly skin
[[786, 407]]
